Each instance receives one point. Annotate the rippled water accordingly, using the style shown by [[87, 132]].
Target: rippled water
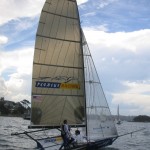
[[138, 141]]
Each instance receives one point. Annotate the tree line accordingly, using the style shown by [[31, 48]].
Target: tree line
[[10, 108]]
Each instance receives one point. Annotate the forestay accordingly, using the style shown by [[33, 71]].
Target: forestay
[[58, 71]]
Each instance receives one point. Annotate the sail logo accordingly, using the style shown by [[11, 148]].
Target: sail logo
[[69, 86], [57, 85], [41, 84]]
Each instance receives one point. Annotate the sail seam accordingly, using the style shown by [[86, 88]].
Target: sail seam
[[57, 94], [57, 65], [57, 38], [59, 15]]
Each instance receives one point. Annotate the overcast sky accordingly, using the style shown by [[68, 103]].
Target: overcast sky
[[118, 34]]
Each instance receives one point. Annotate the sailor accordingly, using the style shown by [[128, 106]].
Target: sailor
[[78, 137], [65, 134]]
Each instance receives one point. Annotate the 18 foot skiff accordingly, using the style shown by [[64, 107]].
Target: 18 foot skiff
[[65, 83]]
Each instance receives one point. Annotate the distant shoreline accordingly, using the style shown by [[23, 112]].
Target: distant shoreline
[[142, 118]]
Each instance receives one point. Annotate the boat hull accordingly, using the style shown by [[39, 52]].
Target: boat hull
[[101, 143], [85, 146]]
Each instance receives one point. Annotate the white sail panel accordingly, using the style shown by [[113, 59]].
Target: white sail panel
[[58, 72], [99, 120]]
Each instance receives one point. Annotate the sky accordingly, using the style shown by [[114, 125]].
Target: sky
[[118, 35]]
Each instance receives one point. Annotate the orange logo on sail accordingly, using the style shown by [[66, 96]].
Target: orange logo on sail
[[69, 86]]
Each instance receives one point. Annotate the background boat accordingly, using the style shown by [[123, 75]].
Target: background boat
[[118, 116]]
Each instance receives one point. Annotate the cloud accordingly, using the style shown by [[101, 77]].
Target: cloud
[[15, 71], [126, 41], [120, 50], [136, 94], [122, 61], [79, 2], [18, 58], [104, 3], [14, 9], [118, 15], [23, 24], [89, 14], [92, 29], [3, 39]]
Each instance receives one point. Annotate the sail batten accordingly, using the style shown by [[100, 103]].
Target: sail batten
[[59, 15], [58, 38], [57, 94], [57, 65]]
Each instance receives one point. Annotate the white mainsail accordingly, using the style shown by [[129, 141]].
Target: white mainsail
[[58, 72]]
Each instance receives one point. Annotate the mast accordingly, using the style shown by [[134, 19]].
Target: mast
[[81, 43]]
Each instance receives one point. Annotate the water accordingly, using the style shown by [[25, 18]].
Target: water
[[138, 141]]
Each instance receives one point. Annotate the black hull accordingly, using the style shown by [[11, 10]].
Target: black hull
[[98, 144], [101, 143], [89, 146]]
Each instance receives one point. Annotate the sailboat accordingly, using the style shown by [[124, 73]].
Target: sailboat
[[65, 83], [118, 116]]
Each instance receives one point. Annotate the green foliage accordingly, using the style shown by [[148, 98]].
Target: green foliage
[[3, 109], [141, 118], [14, 109]]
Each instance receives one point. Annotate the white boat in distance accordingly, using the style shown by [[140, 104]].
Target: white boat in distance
[[118, 116], [65, 83]]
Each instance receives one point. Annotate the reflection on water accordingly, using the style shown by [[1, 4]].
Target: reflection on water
[[138, 141]]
